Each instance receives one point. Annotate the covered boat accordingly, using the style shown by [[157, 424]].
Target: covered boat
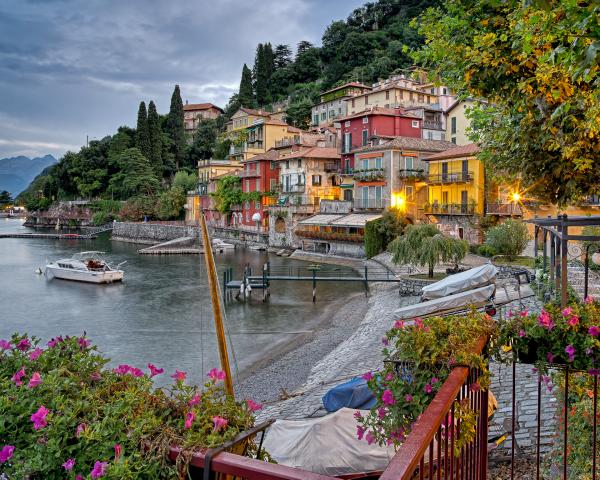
[[471, 279], [85, 267]]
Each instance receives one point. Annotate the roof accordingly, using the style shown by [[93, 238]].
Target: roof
[[201, 106], [313, 152], [393, 112], [462, 151], [336, 220], [346, 85], [411, 143], [270, 154], [259, 113]]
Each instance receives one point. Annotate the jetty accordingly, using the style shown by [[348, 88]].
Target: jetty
[[91, 234], [178, 246]]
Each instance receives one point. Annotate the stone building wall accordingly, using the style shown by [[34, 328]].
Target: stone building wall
[[146, 232]]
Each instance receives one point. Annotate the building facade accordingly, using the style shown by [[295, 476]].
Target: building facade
[[457, 123], [333, 103], [194, 113], [260, 180]]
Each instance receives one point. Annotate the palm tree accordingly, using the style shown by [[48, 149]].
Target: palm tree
[[425, 245]]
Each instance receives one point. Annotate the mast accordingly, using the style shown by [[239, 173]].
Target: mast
[[216, 304]]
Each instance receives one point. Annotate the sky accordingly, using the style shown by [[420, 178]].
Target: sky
[[76, 68]]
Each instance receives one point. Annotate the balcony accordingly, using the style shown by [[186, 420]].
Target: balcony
[[412, 174], [369, 175], [249, 173], [237, 150], [331, 167], [331, 236], [287, 142], [507, 209], [296, 188], [450, 208], [368, 203], [432, 125], [458, 177]]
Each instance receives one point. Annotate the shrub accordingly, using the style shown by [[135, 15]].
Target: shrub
[[486, 251], [374, 240], [137, 207], [509, 238]]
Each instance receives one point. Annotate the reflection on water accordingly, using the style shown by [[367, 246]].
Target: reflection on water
[[161, 313]]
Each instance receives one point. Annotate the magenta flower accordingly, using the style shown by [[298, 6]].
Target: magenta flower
[[369, 438], [550, 357], [367, 376], [122, 369], [253, 406], [78, 477], [385, 341], [408, 398], [118, 450], [35, 380], [594, 331], [524, 313], [428, 388], [179, 376], [570, 351], [80, 429], [588, 300], [389, 377], [219, 423], [83, 342], [573, 321], [522, 333], [189, 419], [434, 380], [381, 412], [6, 453], [5, 345], [99, 469], [35, 354], [17, 377], [360, 431], [55, 341], [23, 345], [69, 464], [155, 371], [215, 375], [136, 372], [39, 418], [388, 397], [195, 400], [357, 415], [399, 324], [567, 311], [545, 320]]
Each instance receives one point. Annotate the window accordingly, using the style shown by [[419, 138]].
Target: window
[[387, 94], [273, 165], [331, 113], [432, 90], [430, 135], [247, 217], [366, 99], [365, 137], [409, 192], [411, 96], [247, 185], [409, 163], [445, 198], [401, 94], [316, 179], [247, 205], [316, 119], [444, 91], [299, 163], [378, 162], [453, 125], [272, 185], [287, 164], [365, 119], [324, 116], [257, 205], [415, 124], [347, 166], [387, 105], [353, 102], [347, 123], [347, 142], [428, 99], [300, 179], [340, 111], [378, 195], [258, 184], [453, 140]]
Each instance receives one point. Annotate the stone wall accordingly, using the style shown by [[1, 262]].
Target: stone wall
[[412, 286], [450, 225], [146, 232]]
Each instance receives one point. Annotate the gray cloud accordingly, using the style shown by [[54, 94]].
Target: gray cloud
[[71, 68]]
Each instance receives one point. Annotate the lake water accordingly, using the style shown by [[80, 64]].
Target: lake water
[[161, 313]]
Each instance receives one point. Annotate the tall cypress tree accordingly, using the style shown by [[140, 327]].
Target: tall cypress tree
[[142, 137], [155, 136], [269, 60], [175, 127], [260, 76], [246, 95]]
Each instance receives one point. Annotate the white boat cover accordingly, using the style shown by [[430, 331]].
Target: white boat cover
[[478, 297], [326, 445], [461, 282]]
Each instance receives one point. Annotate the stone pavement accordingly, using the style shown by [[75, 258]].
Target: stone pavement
[[576, 275]]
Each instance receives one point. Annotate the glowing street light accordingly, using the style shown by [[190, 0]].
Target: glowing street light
[[515, 197], [398, 201]]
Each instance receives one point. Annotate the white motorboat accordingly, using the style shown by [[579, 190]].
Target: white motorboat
[[85, 267], [219, 245]]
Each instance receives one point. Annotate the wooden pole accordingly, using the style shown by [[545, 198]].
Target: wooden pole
[[213, 283]]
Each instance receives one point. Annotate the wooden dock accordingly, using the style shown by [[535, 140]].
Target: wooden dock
[[171, 251], [59, 236]]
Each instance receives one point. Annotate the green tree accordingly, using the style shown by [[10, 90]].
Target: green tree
[[142, 135], [175, 128], [282, 56], [246, 93], [261, 78], [155, 138], [303, 47], [424, 245], [307, 66], [185, 181], [204, 144], [5, 197], [228, 193], [170, 203], [136, 176], [509, 238], [298, 113]]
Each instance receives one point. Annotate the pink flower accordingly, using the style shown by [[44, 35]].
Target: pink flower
[[80, 429], [99, 469], [189, 419], [6, 453], [83, 342], [219, 423], [594, 331], [550, 357], [69, 464], [399, 324], [369, 438], [389, 377], [95, 376], [253, 406], [573, 321], [367, 376], [122, 369], [524, 313], [588, 300], [357, 415], [55, 341], [78, 477], [428, 388], [567, 311], [360, 431], [385, 341], [522, 333], [23, 345], [5, 345], [36, 379], [408, 398], [179, 376], [35, 354], [155, 371], [434, 380], [381, 412], [388, 397], [118, 451], [570, 351], [545, 320], [215, 375], [136, 372], [39, 418], [195, 400], [17, 377]]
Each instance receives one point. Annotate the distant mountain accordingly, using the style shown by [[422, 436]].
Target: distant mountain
[[18, 172]]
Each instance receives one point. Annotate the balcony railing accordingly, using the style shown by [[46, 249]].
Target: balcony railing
[[347, 171], [234, 150], [297, 188], [249, 173], [455, 177], [368, 203], [432, 125], [369, 175], [451, 208], [331, 167], [412, 174], [332, 236], [509, 209]]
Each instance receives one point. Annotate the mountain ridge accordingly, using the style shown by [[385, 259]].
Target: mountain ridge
[[16, 173]]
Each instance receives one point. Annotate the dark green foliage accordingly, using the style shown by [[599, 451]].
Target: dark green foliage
[[185, 181], [379, 233], [303, 47], [170, 203], [175, 128], [509, 238], [282, 56], [246, 93], [204, 144], [5, 198], [155, 139], [136, 176], [298, 113], [228, 193], [486, 251], [307, 67], [142, 134], [261, 76], [373, 239]]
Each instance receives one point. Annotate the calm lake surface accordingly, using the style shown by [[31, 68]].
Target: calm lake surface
[[161, 313]]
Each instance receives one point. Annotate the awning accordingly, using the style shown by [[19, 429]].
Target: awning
[[357, 220], [320, 219]]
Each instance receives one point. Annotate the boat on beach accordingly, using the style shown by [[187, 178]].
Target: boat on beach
[[87, 267]]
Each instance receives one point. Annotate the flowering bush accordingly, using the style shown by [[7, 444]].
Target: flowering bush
[[555, 335], [65, 416], [422, 354]]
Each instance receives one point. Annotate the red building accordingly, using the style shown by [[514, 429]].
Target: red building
[[358, 129], [260, 174]]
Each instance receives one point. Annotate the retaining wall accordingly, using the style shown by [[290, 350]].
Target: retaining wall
[[151, 232]]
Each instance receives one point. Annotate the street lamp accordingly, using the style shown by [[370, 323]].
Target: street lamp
[[257, 218]]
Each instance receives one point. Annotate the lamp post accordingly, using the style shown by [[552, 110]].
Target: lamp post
[[256, 217]]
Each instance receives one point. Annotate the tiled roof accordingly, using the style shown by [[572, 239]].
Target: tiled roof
[[411, 143], [270, 154], [346, 85], [394, 112], [200, 106], [462, 151], [313, 152], [258, 113]]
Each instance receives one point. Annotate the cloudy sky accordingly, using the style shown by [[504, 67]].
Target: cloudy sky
[[71, 68]]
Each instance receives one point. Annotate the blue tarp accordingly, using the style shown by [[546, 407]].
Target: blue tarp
[[352, 394]]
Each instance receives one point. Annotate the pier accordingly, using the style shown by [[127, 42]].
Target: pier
[[93, 233]]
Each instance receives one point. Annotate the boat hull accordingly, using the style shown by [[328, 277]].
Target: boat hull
[[110, 276]]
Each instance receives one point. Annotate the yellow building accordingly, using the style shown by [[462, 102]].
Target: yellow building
[[211, 167], [457, 123]]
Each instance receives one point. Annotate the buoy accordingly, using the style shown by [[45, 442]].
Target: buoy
[[39, 271]]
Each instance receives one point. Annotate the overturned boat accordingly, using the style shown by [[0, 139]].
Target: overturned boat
[[87, 267]]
